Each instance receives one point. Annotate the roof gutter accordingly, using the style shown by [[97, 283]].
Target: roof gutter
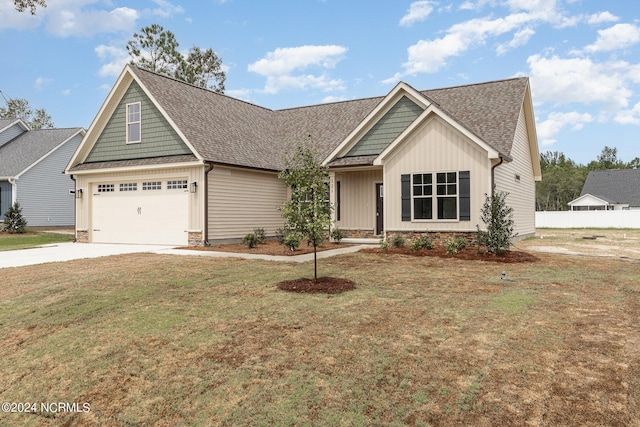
[[205, 227], [493, 179]]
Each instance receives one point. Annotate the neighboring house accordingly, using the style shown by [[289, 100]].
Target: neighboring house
[[615, 189], [167, 162], [32, 166]]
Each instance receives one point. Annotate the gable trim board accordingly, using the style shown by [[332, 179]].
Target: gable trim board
[[236, 149]]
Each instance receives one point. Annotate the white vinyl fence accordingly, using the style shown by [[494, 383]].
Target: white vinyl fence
[[589, 219]]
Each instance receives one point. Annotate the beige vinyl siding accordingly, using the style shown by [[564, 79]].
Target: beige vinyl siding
[[435, 146], [191, 174], [241, 200], [521, 193], [358, 199], [158, 137]]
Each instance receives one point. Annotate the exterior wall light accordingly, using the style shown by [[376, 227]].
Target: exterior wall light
[[193, 187], [79, 193]]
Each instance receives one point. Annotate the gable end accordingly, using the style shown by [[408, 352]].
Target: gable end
[[387, 129], [158, 138]]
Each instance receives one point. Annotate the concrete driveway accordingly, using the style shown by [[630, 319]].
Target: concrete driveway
[[59, 252]]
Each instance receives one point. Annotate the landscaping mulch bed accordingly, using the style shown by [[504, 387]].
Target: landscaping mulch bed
[[325, 285], [472, 254]]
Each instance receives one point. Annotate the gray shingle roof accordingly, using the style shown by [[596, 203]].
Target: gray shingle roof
[[226, 130], [614, 186], [6, 122], [24, 150]]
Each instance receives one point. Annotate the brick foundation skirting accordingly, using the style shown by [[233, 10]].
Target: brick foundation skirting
[[358, 234], [438, 237]]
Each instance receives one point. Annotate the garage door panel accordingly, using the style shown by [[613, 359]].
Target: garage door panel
[[142, 217]]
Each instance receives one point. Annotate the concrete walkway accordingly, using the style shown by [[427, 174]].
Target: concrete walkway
[[60, 252], [281, 258]]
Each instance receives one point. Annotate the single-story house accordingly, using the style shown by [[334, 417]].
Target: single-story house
[[167, 162], [32, 164], [613, 189]]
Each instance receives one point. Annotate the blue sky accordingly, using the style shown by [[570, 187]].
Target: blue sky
[[582, 56]]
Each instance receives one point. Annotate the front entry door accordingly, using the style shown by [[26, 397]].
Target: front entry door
[[379, 209]]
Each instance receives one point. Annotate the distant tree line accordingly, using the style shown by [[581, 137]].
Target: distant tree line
[[563, 179]]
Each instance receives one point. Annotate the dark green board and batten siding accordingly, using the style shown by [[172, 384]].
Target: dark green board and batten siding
[[159, 139], [387, 129]]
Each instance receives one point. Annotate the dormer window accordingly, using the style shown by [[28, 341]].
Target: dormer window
[[134, 122]]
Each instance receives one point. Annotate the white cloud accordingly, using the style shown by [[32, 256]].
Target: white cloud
[[41, 81], [620, 36], [117, 58], [78, 22], [429, 56], [520, 38], [555, 122], [280, 66], [629, 117], [418, 11], [579, 80], [166, 9], [599, 18], [11, 18]]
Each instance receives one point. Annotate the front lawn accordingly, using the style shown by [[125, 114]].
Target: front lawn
[[10, 242], [176, 340]]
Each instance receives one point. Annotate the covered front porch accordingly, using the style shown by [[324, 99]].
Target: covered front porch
[[357, 194]]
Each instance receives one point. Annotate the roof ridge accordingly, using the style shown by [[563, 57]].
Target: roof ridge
[[197, 87], [330, 103], [477, 84]]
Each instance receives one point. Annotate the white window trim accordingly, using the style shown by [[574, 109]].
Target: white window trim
[[434, 198], [139, 122]]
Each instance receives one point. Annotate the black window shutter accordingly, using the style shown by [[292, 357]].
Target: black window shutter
[[406, 197], [465, 195]]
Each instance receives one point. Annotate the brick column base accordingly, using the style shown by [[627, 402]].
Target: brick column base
[[195, 238], [82, 236]]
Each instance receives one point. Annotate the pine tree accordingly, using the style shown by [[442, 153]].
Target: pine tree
[[14, 222]]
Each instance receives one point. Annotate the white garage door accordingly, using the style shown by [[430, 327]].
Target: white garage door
[[143, 212]]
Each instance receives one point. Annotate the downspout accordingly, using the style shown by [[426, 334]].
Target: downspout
[[493, 185], [75, 207], [14, 191], [205, 228]]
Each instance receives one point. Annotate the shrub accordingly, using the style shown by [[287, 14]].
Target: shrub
[[281, 235], [384, 244], [292, 241], [397, 241], [14, 222], [498, 217], [454, 244], [260, 234], [251, 240], [422, 242], [336, 235]]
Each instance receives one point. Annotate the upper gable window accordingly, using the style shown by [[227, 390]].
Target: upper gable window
[[134, 122]]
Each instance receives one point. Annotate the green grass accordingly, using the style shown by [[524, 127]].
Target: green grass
[[174, 340], [10, 242]]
